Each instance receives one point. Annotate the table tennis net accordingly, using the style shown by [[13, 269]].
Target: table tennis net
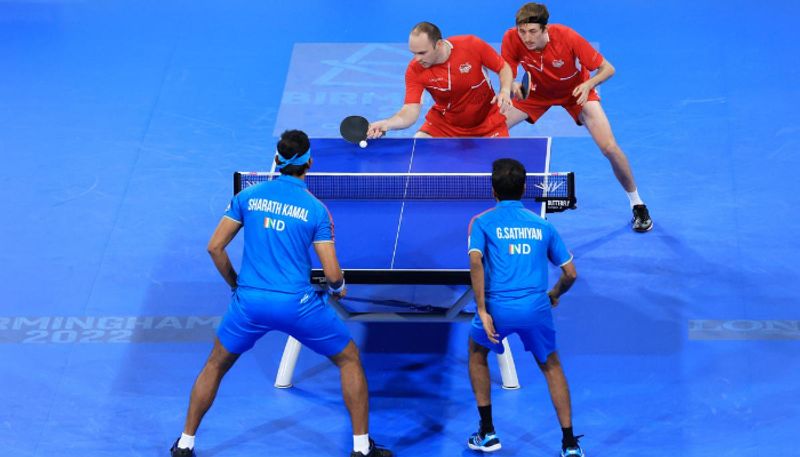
[[417, 186]]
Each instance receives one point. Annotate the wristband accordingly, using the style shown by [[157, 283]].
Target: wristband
[[336, 287]]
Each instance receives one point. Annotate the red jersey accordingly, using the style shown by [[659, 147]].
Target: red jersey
[[554, 70], [459, 87]]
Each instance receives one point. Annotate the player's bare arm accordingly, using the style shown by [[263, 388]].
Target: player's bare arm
[[568, 276], [226, 230], [330, 266], [403, 119], [476, 274], [603, 73], [503, 97]]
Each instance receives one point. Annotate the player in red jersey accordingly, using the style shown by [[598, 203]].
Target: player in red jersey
[[452, 71], [550, 53]]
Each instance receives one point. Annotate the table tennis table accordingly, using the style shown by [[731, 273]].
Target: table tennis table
[[411, 251]]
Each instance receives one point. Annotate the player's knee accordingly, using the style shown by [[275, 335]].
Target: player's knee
[[220, 360], [609, 148], [349, 354], [354, 353], [551, 364], [217, 368], [515, 117], [480, 357]]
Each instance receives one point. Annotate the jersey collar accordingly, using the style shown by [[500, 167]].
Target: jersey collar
[[293, 181], [448, 43], [509, 204]]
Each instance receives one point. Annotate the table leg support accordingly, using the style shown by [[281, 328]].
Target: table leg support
[[288, 361], [508, 371]]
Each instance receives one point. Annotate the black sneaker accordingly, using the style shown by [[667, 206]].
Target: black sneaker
[[374, 451], [488, 442], [641, 219], [176, 451], [573, 450]]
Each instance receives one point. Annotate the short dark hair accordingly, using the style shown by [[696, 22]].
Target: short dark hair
[[508, 179], [293, 142], [533, 13], [433, 32]]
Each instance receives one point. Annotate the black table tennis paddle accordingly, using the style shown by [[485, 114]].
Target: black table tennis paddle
[[354, 129], [525, 88]]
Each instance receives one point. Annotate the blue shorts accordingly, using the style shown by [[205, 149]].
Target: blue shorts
[[305, 316], [531, 321]]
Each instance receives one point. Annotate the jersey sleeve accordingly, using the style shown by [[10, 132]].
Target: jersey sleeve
[[557, 251], [509, 52], [323, 232], [489, 57], [589, 57], [234, 209], [476, 239], [414, 87]]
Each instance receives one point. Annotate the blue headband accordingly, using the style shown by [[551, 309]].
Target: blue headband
[[294, 160]]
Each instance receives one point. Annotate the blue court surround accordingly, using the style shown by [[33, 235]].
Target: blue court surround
[[121, 122]]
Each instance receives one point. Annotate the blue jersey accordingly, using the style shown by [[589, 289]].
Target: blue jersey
[[515, 244], [281, 220]]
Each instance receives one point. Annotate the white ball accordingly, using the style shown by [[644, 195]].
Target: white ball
[[363, 143]]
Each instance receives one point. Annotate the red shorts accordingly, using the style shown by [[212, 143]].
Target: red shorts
[[535, 106], [493, 126]]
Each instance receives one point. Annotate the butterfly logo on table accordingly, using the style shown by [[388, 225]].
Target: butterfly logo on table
[[549, 187]]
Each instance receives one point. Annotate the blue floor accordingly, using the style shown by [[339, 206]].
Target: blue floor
[[121, 123]]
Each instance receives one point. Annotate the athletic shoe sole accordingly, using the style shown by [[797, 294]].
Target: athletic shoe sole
[[492, 448]]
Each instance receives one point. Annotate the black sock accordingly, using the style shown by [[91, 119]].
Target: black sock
[[567, 438], [486, 419]]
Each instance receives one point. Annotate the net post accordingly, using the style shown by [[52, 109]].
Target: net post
[[237, 182], [571, 188]]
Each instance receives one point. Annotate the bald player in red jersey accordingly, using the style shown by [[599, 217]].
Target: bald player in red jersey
[[452, 71], [549, 53]]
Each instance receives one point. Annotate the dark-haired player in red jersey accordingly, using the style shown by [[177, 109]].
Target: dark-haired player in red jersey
[[452, 71], [551, 53]]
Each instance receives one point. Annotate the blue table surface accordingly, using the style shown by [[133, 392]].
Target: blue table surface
[[431, 234]]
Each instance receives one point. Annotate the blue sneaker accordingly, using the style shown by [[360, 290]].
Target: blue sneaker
[[485, 443], [176, 451], [573, 451]]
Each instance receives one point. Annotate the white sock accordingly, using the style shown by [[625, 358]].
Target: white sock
[[361, 443], [634, 198], [186, 441]]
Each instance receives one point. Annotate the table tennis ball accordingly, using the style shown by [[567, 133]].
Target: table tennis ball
[[363, 143]]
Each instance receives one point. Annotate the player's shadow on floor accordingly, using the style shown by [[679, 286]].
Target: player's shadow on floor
[[311, 433], [410, 359], [589, 246], [418, 338]]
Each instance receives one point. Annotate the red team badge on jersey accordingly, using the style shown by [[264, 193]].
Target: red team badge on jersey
[[465, 67]]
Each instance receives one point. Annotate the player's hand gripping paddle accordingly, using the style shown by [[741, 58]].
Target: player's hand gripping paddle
[[525, 87], [354, 129]]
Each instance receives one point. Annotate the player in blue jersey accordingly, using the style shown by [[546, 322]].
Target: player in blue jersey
[[281, 220], [509, 250]]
